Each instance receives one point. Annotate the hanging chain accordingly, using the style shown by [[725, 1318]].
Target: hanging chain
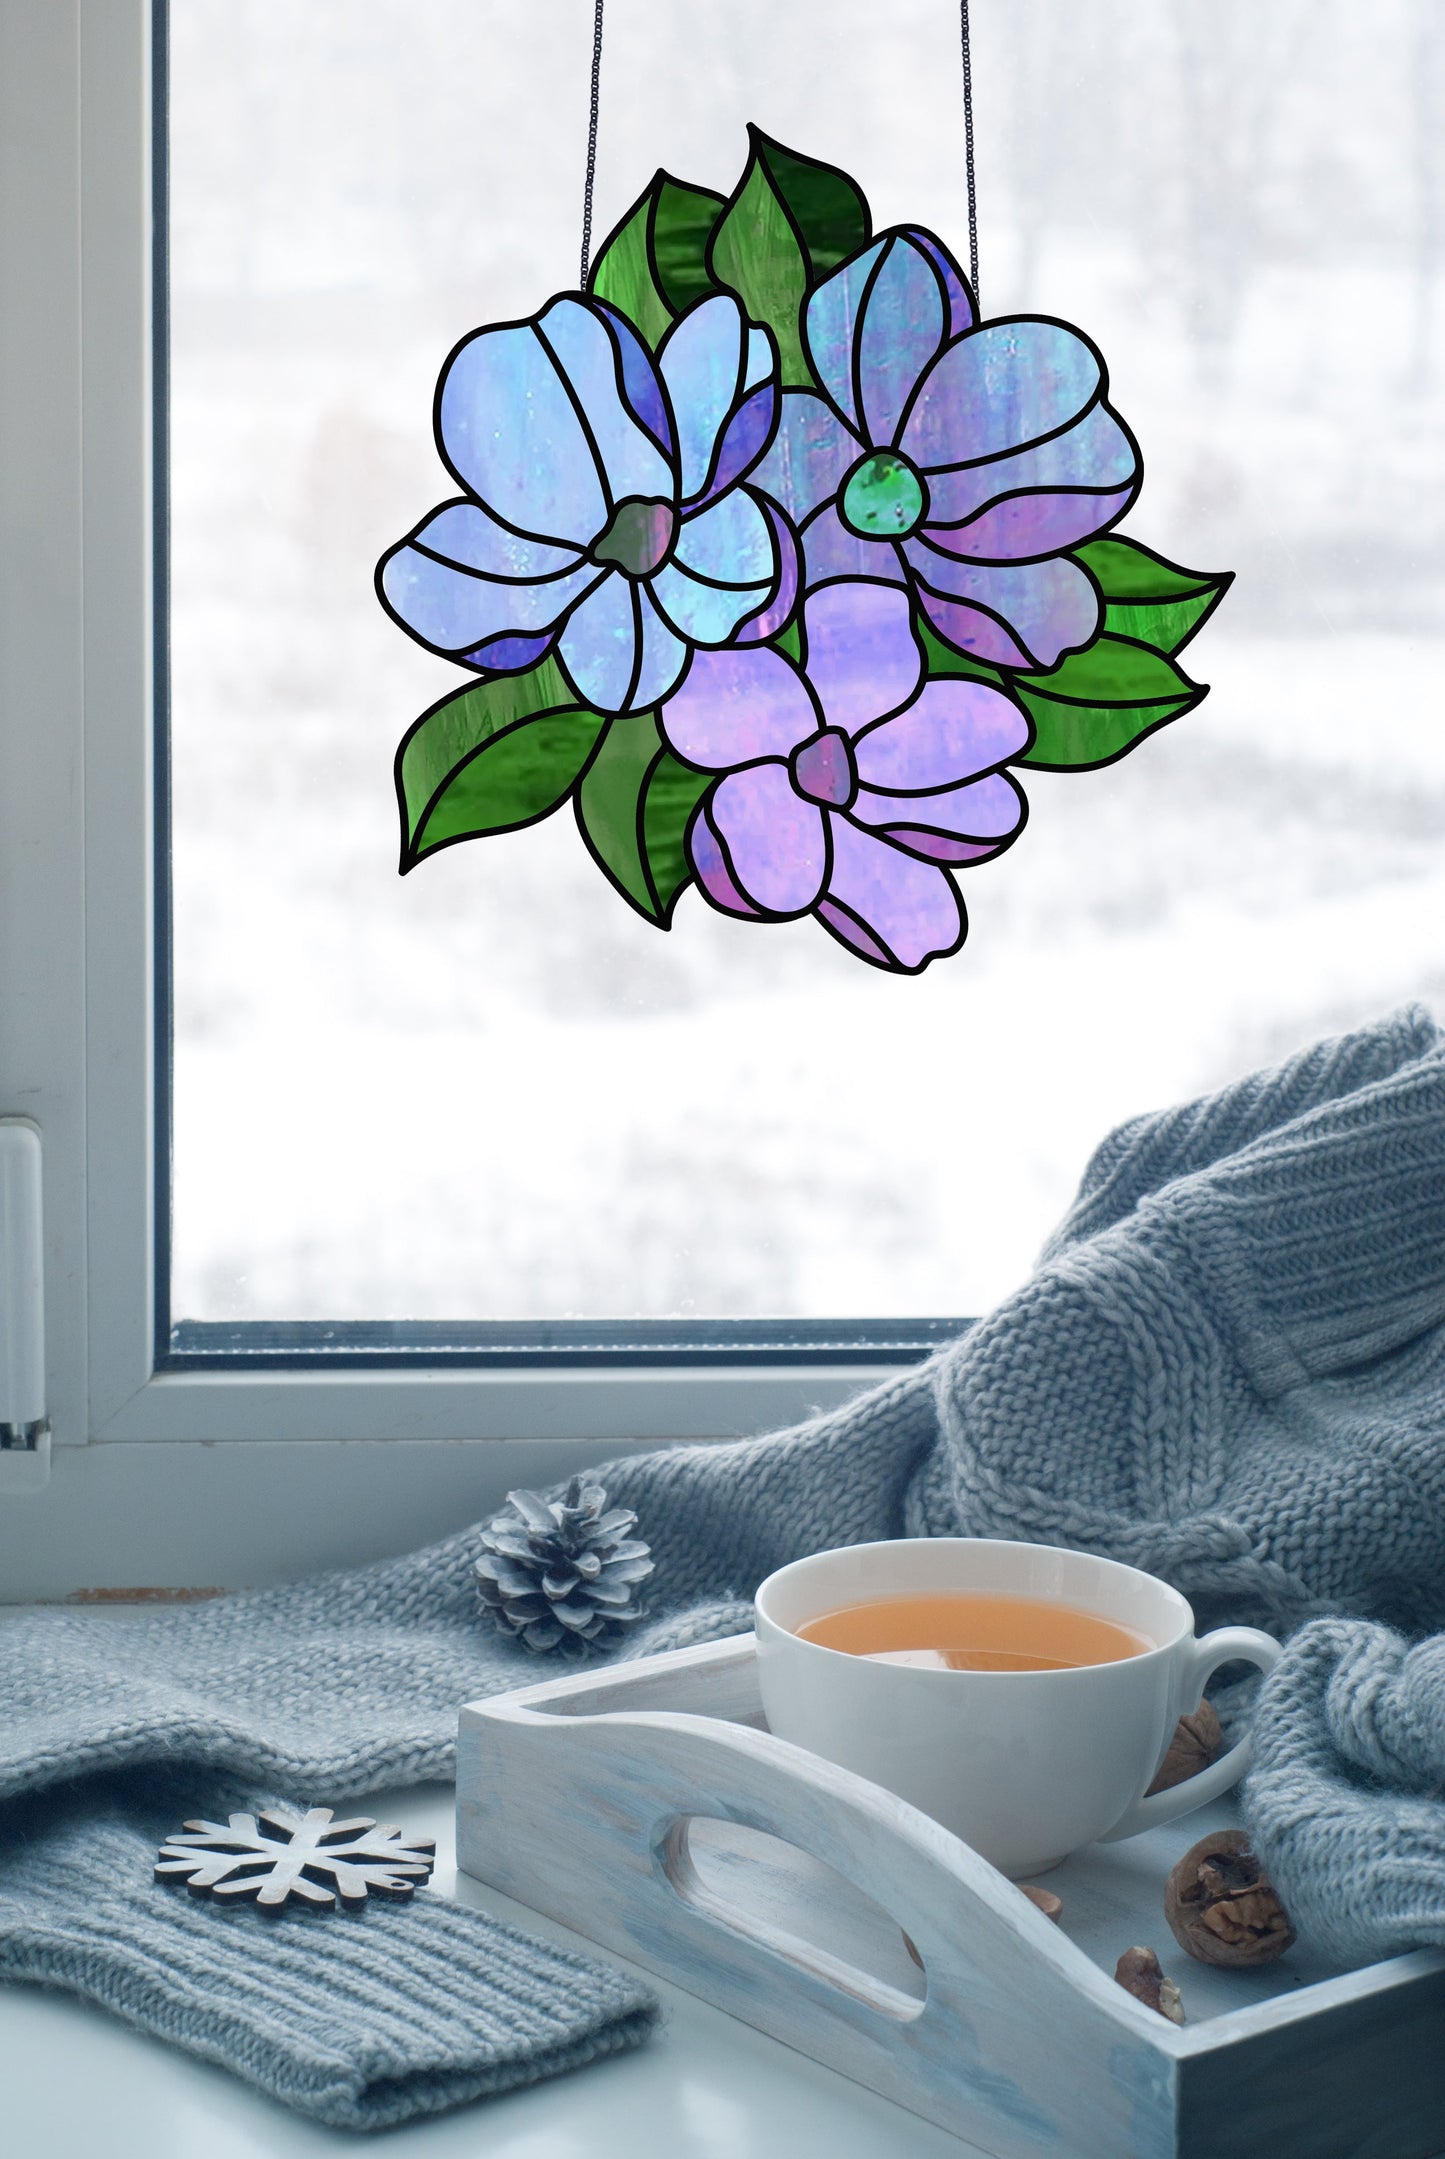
[[967, 146], [592, 141]]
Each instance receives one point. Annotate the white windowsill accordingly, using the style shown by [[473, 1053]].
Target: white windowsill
[[77, 2081]]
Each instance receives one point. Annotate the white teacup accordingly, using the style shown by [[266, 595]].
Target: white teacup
[[1026, 1766]]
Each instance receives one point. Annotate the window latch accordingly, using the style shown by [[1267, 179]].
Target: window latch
[[24, 1425]]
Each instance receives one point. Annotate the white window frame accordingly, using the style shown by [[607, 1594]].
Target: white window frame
[[77, 921]]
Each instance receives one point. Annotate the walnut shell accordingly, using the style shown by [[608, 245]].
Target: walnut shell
[[1138, 1973], [1197, 1742], [1222, 1906], [1048, 1903]]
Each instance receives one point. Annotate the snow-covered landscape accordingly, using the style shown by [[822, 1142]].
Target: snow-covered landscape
[[490, 1091]]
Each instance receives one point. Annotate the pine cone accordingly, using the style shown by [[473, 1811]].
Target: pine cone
[[561, 1572]]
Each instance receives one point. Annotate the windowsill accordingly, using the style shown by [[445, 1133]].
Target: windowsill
[[76, 2081]]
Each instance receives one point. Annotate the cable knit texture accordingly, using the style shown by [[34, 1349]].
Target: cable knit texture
[[1229, 1368]]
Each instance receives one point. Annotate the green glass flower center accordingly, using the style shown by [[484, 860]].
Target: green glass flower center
[[883, 497], [638, 536]]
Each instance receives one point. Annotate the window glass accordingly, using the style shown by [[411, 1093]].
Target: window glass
[[489, 1091]]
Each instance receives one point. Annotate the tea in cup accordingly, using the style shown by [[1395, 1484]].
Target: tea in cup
[[1021, 1694]]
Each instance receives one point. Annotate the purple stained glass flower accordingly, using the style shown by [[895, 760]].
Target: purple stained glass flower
[[604, 513], [959, 457], [847, 782]]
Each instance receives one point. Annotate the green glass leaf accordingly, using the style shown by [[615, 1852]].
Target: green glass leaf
[[1097, 704], [755, 252], [624, 273], [1147, 598], [682, 221], [632, 810], [790, 640], [672, 794], [490, 758], [828, 212]]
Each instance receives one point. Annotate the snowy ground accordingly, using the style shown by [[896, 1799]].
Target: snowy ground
[[489, 1090]]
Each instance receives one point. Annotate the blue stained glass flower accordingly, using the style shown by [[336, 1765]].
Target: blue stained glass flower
[[604, 512], [961, 458]]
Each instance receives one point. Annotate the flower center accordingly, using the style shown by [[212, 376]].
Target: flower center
[[823, 769], [637, 536], [883, 497]]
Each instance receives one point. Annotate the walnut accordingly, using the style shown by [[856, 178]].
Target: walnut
[[1223, 1907], [1197, 1742], [1138, 1973], [1050, 1905]]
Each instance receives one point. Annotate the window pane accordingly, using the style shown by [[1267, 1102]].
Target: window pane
[[490, 1091]]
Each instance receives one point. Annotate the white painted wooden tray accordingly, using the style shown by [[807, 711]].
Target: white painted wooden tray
[[649, 1808]]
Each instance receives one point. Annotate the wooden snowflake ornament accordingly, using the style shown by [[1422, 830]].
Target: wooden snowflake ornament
[[276, 1856]]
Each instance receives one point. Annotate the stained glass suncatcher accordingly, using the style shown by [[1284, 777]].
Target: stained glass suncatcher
[[782, 567]]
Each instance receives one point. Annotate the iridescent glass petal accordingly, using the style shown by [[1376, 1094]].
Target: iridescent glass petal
[[899, 332], [909, 907], [736, 706], [776, 842], [512, 436], [1000, 388], [952, 729], [863, 659]]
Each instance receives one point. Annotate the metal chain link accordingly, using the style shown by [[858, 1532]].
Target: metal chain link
[[592, 144], [967, 145], [967, 149]]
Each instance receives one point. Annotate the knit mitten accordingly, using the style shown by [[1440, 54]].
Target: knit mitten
[[1236, 1385], [323, 1691], [359, 2019], [1344, 1800]]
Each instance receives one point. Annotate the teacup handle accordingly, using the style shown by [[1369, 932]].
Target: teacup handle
[[1224, 1646]]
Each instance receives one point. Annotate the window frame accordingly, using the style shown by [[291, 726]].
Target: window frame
[[83, 969]]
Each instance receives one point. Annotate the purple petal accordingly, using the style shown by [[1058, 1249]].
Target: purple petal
[[953, 729], [987, 810], [942, 847], [900, 330], [1046, 608], [908, 908], [962, 314], [1001, 387], [509, 655], [709, 863], [1026, 528], [969, 629], [735, 706], [863, 658], [743, 441], [831, 551], [809, 456], [849, 932], [1055, 494], [640, 386], [778, 613], [775, 844]]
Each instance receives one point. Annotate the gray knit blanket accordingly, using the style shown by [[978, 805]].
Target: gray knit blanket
[[1228, 1368]]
